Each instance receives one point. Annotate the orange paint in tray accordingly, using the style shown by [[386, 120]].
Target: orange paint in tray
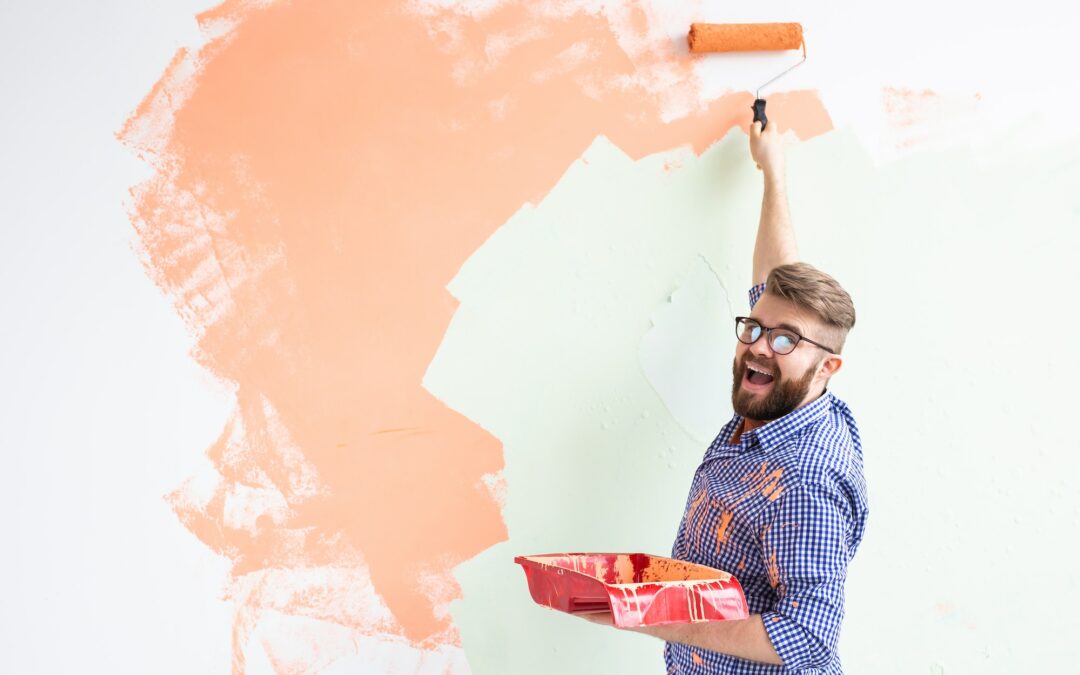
[[638, 589]]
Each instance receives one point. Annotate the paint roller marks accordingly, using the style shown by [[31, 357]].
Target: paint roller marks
[[551, 311], [305, 228], [554, 308]]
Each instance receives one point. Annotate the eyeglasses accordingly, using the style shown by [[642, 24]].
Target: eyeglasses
[[781, 340]]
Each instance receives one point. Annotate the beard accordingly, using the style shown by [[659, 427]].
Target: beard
[[784, 396]]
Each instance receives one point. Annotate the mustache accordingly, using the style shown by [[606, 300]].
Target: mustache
[[768, 365]]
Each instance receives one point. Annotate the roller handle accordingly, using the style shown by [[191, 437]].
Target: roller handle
[[759, 112]]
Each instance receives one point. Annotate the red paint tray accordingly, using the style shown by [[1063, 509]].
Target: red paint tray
[[638, 589]]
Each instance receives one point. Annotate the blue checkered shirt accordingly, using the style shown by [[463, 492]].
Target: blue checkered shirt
[[783, 510]]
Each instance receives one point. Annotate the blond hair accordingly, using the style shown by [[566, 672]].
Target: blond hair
[[809, 288]]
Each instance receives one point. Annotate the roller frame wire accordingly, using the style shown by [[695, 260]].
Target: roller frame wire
[[757, 92]]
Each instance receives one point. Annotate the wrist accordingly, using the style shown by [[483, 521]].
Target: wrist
[[774, 176]]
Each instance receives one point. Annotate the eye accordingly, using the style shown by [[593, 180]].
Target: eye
[[783, 341], [749, 331]]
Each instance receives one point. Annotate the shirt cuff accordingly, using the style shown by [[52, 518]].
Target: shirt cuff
[[793, 644]]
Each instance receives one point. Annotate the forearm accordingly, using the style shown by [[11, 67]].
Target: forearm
[[745, 639], [775, 244]]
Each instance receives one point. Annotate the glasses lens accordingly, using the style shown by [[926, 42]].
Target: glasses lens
[[747, 330], [782, 341]]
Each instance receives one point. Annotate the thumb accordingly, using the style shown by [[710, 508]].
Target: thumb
[[755, 129]]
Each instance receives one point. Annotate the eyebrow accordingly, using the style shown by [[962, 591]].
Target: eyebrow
[[786, 326]]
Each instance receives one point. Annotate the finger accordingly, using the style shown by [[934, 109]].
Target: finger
[[755, 129]]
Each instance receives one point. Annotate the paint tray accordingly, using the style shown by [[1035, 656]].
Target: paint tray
[[638, 589]]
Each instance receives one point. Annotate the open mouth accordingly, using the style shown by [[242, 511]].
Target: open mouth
[[757, 377]]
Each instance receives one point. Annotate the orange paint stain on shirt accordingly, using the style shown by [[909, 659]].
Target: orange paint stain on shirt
[[321, 172], [697, 659], [722, 529], [695, 504], [765, 482], [773, 569], [696, 521]]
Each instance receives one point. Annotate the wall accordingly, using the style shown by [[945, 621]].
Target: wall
[[321, 313]]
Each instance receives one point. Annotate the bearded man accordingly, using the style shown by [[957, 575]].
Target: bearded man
[[779, 498]]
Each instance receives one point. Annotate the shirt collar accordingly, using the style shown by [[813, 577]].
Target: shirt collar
[[771, 435]]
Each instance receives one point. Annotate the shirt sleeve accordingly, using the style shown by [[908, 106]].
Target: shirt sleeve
[[755, 294], [806, 553]]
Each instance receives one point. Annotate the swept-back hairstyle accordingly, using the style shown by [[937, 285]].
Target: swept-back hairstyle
[[810, 289]]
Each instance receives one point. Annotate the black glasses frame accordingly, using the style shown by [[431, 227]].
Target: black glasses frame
[[769, 332]]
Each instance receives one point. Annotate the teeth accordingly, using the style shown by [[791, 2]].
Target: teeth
[[758, 370]]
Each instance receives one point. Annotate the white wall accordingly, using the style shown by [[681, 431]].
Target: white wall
[[102, 411], [971, 448]]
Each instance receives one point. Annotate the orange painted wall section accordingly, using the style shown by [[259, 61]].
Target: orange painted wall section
[[322, 170]]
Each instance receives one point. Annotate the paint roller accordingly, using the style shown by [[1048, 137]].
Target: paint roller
[[749, 37]]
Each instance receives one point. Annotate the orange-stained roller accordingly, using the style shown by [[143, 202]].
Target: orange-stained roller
[[744, 37], [748, 37]]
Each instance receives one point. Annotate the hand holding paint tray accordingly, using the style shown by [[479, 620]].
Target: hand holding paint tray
[[636, 588]]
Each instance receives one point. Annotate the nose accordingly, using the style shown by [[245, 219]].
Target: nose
[[762, 347]]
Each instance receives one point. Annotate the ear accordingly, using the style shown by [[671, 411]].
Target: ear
[[830, 365]]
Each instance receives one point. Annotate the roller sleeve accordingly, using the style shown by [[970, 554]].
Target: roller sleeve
[[744, 37]]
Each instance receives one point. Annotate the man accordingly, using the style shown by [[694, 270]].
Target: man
[[779, 499]]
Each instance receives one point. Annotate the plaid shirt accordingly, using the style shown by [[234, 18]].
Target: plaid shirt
[[783, 510]]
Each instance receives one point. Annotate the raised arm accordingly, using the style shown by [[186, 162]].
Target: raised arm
[[775, 243]]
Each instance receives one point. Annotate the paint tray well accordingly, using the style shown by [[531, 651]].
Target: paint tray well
[[638, 589]]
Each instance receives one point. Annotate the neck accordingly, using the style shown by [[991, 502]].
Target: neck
[[747, 425], [750, 425]]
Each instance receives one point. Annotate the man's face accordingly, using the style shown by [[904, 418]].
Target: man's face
[[793, 379]]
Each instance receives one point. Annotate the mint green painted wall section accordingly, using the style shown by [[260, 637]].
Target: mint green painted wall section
[[968, 450]]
